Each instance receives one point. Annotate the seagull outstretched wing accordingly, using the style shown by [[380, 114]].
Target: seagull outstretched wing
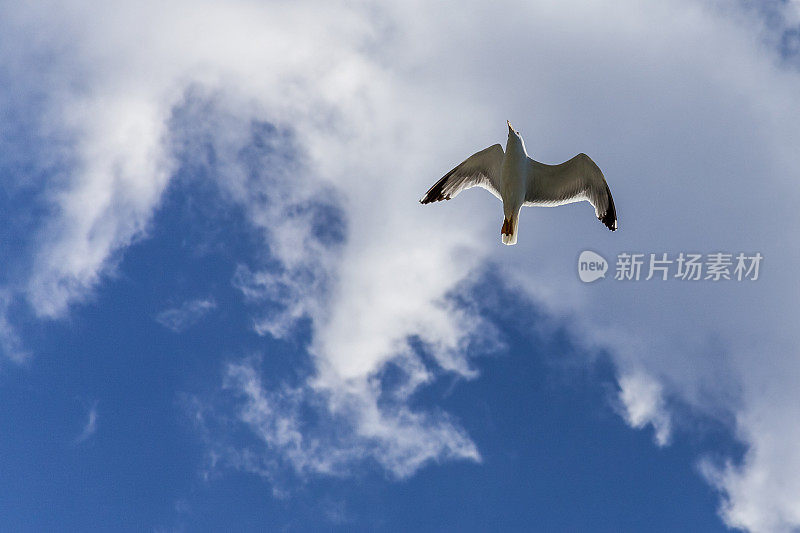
[[478, 170], [572, 181]]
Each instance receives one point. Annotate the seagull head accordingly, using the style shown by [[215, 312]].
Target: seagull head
[[511, 130], [514, 138]]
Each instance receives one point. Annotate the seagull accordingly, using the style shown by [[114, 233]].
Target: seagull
[[517, 180]]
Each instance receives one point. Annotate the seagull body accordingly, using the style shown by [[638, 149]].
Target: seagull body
[[517, 180]]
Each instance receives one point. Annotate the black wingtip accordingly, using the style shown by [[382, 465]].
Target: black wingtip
[[609, 219], [436, 193]]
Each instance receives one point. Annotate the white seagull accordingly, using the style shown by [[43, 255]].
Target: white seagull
[[517, 180]]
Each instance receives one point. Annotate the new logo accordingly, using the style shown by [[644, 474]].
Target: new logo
[[591, 266]]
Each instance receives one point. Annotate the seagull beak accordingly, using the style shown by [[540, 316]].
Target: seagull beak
[[510, 127]]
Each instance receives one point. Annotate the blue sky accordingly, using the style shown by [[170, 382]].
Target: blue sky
[[554, 453], [223, 308]]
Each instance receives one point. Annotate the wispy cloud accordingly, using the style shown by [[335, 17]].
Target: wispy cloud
[[90, 427], [11, 345], [179, 319], [356, 430]]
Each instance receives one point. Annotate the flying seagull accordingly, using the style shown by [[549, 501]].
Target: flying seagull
[[517, 180]]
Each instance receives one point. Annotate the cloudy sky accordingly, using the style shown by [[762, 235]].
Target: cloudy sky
[[222, 307]]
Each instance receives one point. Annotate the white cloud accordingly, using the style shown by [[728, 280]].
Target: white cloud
[[304, 279], [283, 290], [394, 436], [643, 404], [181, 318], [90, 428], [117, 120], [11, 345], [693, 120]]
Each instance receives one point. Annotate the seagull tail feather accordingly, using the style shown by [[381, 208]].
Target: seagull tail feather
[[508, 234]]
